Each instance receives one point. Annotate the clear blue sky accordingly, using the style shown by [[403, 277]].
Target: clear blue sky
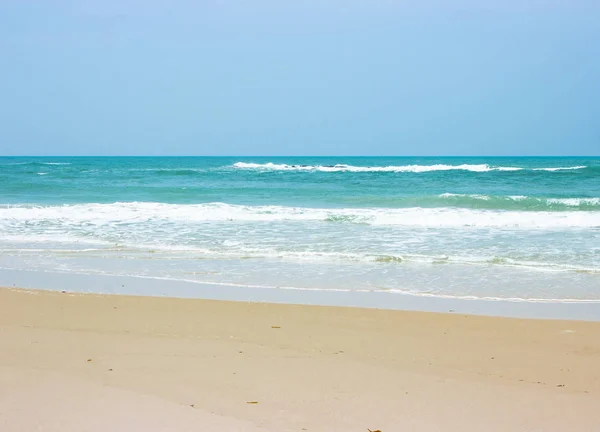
[[310, 77]]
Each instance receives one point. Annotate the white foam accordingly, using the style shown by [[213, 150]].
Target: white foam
[[392, 291], [270, 166], [236, 250], [376, 290], [574, 202], [561, 168], [153, 213], [391, 168], [474, 196], [495, 299]]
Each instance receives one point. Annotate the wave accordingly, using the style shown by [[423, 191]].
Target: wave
[[240, 251], [407, 258], [560, 168], [64, 245], [144, 212], [392, 168], [269, 166], [574, 201], [519, 202]]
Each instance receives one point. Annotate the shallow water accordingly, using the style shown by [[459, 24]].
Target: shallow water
[[524, 229]]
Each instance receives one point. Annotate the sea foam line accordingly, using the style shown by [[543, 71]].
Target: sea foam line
[[569, 202], [392, 291], [561, 168], [270, 166], [162, 251], [155, 214], [383, 291]]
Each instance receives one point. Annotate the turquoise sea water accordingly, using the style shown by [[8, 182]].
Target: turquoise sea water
[[497, 228]]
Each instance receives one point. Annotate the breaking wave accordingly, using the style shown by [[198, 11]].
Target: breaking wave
[[269, 166], [156, 213]]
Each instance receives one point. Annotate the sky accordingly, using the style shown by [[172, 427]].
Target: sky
[[310, 77]]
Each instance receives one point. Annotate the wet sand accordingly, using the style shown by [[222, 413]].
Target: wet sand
[[84, 362]]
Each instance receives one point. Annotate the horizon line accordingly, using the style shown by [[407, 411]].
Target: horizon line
[[300, 156]]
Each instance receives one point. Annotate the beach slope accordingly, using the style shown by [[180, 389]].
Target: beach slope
[[82, 362]]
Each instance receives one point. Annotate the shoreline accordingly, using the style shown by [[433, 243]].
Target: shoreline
[[314, 368], [156, 287]]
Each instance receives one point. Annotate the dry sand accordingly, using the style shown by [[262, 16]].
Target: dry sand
[[117, 363]]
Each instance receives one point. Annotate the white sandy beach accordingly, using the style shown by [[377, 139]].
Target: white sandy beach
[[95, 363]]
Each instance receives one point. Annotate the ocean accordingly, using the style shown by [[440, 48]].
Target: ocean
[[516, 229]]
